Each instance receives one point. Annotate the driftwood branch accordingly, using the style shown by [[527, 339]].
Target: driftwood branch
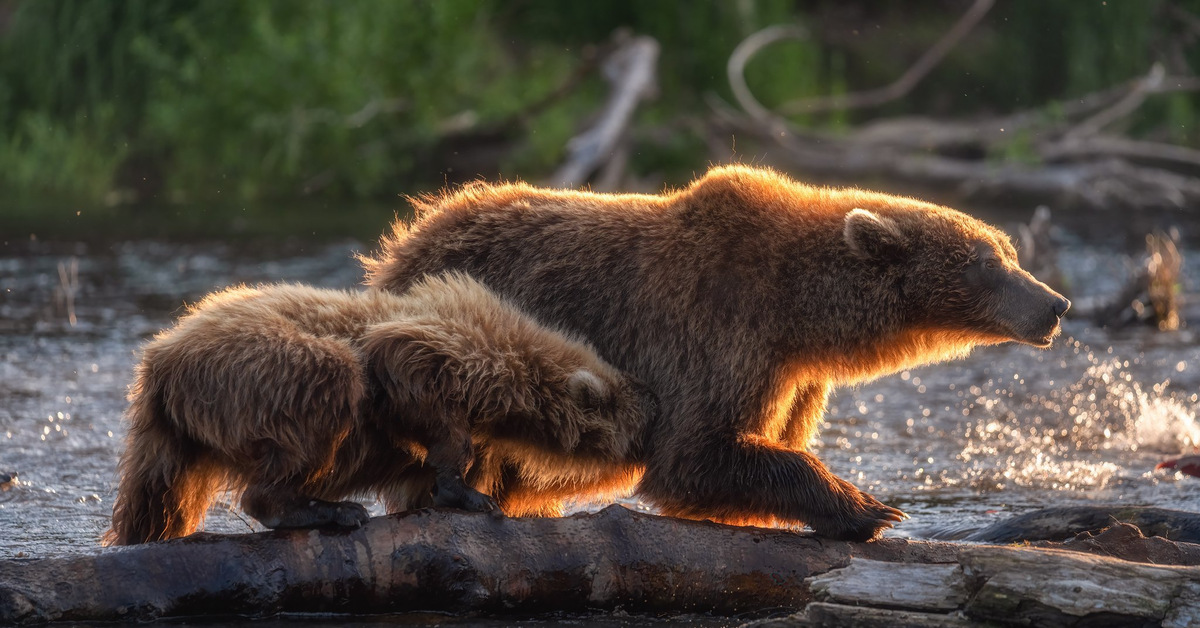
[[631, 71], [1123, 107], [1101, 182], [735, 68], [752, 45], [1062, 523], [473, 563], [907, 81]]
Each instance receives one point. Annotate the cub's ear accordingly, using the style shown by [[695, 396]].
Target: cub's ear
[[875, 237], [588, 390]]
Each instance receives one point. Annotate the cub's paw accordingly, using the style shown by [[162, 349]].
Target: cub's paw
[[482, 503], [348, 514], [465, 498], [315, 513]]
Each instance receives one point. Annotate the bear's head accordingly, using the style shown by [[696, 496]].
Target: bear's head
[[957, 274]]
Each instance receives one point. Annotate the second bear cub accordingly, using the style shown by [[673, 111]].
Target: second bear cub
[[299, 397]]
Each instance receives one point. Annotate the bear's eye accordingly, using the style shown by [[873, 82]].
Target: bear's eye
[[991, 264]]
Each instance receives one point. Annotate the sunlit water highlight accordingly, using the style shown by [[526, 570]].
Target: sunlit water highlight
[[956, 445]]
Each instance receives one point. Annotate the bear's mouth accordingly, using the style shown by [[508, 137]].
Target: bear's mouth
[[1041, 336], [1043, 340]]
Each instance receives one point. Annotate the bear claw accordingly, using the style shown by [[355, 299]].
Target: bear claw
[[869, 519], [350, 515], [465, 498]]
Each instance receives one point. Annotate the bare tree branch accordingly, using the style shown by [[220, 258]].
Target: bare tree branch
[[631, 71], [903, 85], [1127, 105], [735, 68]]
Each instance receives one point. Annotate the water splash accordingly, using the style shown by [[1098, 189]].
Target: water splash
[[1071, 438]]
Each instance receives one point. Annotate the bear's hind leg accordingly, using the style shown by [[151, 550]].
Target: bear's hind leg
[[277, 506]]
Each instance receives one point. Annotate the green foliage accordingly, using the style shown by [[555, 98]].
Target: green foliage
[[251, 99], [203, 100], [66, 159]]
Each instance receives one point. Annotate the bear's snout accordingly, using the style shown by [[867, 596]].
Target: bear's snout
[[1039, 328], [1027, 310], [1061, 305]]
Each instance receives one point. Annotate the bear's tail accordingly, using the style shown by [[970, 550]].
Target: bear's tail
[[167, 482]]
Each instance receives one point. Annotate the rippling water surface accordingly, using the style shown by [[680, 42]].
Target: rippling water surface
[[956, 445]]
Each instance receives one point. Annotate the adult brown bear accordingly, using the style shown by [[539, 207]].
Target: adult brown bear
[[296, 396], [740, 300]]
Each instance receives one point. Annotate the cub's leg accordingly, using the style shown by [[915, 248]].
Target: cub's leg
[[451, 455], [420, 368], [410, 491], [528, 484], [309, 394]]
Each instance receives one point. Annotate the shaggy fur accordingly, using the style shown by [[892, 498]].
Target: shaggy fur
[[297, 397], [740, 301]]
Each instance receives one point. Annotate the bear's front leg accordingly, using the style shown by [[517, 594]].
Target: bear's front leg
[[278, 506], [748, 481]]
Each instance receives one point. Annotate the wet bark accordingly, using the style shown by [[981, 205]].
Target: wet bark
[[456, 562], [1058, 524], [1004, 586]]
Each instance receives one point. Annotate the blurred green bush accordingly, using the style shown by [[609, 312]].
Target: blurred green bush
[[202, 100]]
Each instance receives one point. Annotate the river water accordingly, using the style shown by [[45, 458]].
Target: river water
[[956, 445]]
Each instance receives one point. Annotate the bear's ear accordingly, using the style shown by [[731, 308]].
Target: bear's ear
[[875, 237], [586, 388]]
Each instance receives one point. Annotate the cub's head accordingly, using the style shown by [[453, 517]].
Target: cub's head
[[956, 274], [614, 397]]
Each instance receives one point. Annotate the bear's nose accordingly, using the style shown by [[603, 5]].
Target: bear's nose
[[1061, 305]]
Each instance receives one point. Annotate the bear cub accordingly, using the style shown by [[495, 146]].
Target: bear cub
[[299, 397]]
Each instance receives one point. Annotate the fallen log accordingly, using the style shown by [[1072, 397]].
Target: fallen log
[[1003, 586], [449, 561], [432, 560], [1101, 184]]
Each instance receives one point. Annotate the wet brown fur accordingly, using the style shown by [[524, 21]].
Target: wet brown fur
[[740, 301], [290, 394]]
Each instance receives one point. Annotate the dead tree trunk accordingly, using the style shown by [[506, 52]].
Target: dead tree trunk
[[458, 562]]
